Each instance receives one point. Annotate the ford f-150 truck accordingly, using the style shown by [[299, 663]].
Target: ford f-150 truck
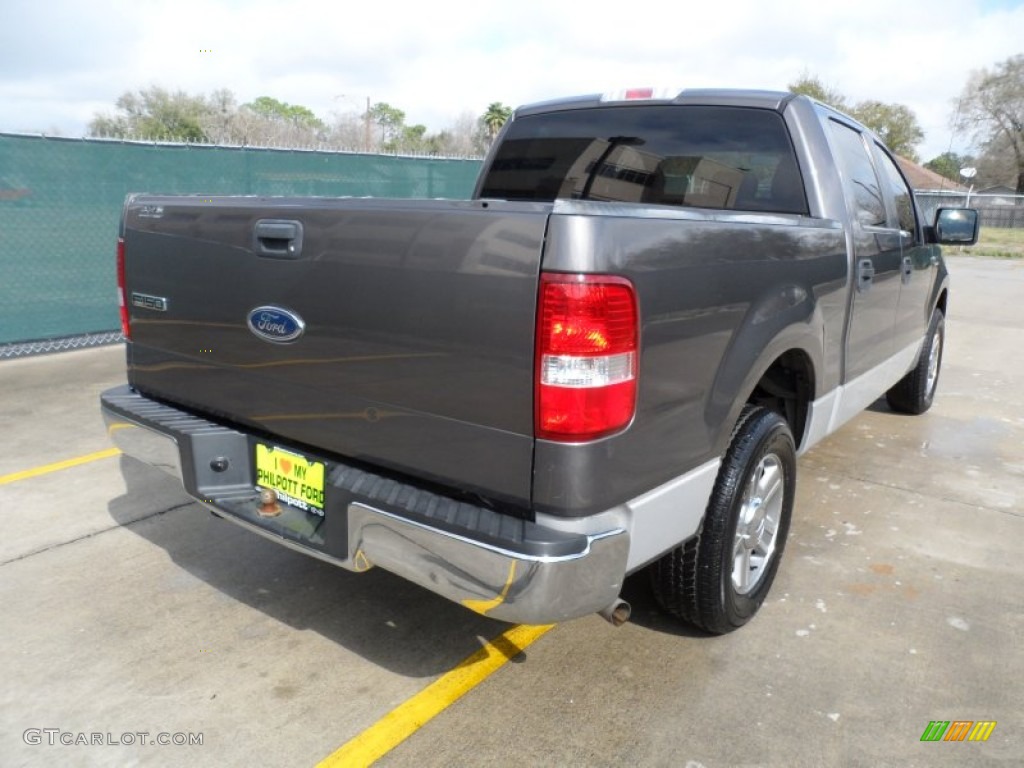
[[607, 360]]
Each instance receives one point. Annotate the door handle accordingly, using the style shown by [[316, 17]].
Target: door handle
[[865, 275], [277, 238], [908, 269]]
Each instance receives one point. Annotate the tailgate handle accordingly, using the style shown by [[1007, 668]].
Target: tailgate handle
[[278, 238]]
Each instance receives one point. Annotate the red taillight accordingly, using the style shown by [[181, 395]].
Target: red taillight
[[122, 298], [587, 328]]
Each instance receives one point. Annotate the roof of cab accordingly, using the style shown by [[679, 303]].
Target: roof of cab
[[718, 97]]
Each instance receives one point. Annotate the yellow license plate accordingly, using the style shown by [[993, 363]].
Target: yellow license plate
[[297, 481]]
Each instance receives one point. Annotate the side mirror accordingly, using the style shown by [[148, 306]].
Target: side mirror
[[956, 226]]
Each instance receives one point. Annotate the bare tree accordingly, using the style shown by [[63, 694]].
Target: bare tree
[[992, 107], [348, 132], [467, 137]]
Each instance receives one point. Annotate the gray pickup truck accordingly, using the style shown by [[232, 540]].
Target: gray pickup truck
[[607, 360]]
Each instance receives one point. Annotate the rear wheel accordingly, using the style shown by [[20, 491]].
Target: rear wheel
[[915, 392], [718, 580]]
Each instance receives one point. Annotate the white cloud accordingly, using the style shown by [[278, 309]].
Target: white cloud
[[63, 61]]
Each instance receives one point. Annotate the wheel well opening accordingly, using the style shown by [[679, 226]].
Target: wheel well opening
[[787, 388], [942, 303]]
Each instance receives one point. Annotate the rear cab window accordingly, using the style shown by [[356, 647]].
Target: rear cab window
[[732, 158]]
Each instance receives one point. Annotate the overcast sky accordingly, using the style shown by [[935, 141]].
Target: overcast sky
[[61, 61]]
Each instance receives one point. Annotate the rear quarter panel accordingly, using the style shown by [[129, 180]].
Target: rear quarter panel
[[721, 295]]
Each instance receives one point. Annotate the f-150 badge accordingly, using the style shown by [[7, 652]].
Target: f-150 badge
[[145, 301], [275, 324]]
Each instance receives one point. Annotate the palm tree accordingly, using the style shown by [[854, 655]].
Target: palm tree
[[494, 118]]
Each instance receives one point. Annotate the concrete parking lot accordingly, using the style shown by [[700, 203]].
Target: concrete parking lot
[[127, 609]]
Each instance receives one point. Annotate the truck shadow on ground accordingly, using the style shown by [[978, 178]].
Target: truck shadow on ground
[[384, 619], [648, 614]]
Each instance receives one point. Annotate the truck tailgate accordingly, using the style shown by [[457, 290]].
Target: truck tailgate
[[417, 350]]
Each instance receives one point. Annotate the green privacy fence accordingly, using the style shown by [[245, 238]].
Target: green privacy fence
[[60, 201]]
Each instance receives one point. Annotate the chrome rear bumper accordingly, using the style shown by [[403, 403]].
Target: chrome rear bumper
[[497, 565]]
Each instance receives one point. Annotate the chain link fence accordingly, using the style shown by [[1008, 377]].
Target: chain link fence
[[61, 199], [1003, 211]]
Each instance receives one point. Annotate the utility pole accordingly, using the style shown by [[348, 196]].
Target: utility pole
[[367, 120], [366, 138]]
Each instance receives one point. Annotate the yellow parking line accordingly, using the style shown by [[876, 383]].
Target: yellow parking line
[[411, 715], [48, 468]]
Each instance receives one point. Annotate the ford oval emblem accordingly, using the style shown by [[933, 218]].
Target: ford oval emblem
[[276, 324]]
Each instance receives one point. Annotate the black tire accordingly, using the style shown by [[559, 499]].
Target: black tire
[[915, 392], [696, 582]]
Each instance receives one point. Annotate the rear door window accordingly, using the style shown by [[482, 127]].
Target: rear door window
[[732, 158], [861, 181], [898, 191]]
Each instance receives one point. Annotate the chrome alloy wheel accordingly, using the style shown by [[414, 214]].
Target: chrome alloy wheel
[[934, 356], [758, 523]]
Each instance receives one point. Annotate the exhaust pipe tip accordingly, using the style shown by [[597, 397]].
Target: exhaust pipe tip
[[617, 613]]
